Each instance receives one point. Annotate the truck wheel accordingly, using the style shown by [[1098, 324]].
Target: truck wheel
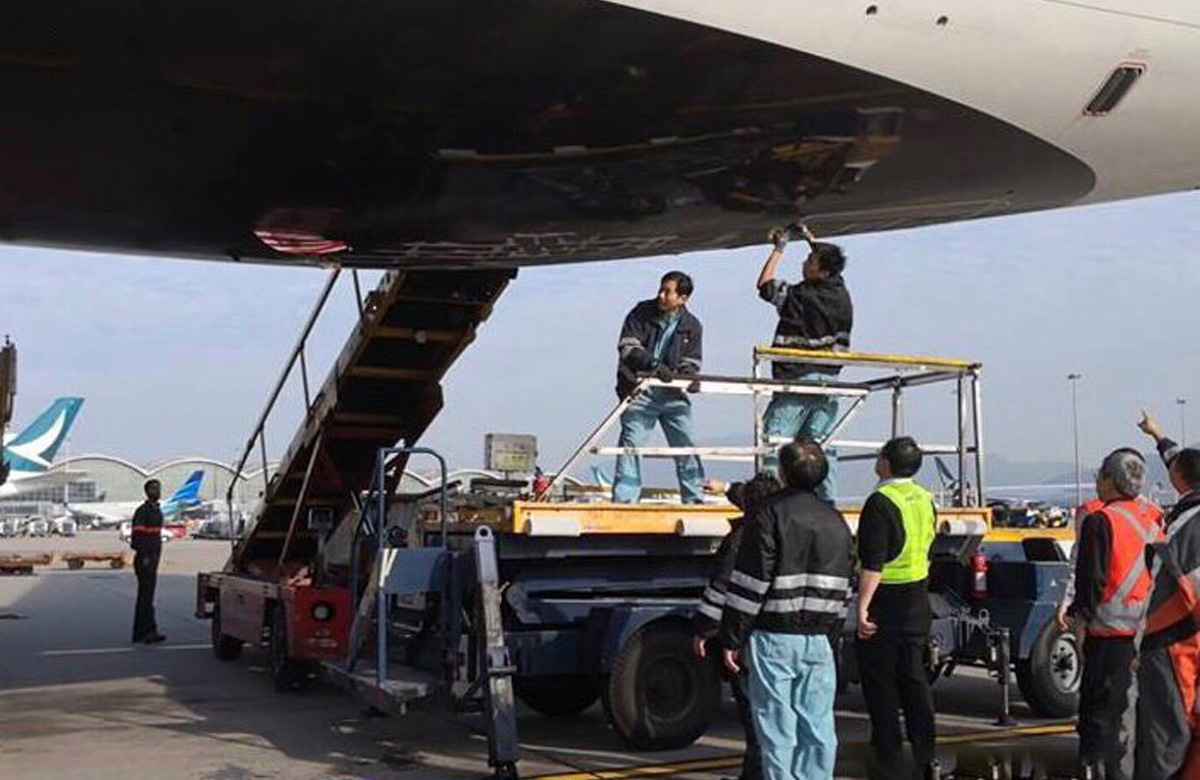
[[558, 695], [117, 563], [659, 696], [287, 674], [1049, 678], [74, 563], [225, 647]]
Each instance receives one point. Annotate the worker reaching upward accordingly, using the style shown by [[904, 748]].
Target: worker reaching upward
[[1167, 740], [815, 313]]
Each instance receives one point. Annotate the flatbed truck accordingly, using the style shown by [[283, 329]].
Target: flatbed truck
[[472, 598]]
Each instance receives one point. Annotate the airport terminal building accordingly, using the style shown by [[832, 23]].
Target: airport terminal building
[[98, 477]]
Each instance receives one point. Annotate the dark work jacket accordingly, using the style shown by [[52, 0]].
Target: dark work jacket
[[148, 515], [712, 603], [793, 570], [812, 315], [639, 335]]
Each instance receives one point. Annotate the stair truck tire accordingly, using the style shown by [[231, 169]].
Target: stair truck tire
[[1049, 677], [225, 647], [287, 674], [558, 695], [659, 696]]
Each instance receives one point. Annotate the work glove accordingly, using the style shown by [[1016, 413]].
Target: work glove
[[779, 237], [663, 372]]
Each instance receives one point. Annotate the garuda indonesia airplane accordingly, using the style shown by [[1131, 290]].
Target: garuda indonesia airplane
[[458, 133]]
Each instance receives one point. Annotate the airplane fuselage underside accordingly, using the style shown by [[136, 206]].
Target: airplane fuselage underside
[[453, 133]]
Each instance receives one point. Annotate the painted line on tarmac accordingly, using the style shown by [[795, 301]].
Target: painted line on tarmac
[[650, 770], [731, 761], [1044, 730], [115, 650]]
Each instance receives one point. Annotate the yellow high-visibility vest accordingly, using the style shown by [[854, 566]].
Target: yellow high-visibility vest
[[916, 511]]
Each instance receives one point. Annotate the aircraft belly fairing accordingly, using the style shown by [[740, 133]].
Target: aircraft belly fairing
[[468, 133]]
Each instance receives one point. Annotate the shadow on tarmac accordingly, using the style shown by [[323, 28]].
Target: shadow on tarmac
[[71, 672]]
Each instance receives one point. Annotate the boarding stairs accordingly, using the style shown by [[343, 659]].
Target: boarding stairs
[[384, 388]]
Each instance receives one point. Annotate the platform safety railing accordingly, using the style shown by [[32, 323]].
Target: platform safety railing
[[297, 358], [902, 373]]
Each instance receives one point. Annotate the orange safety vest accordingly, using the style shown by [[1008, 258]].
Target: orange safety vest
[[1135, 524], [1085, 509]]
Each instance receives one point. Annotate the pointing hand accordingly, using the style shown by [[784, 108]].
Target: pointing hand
[[1150, 426]]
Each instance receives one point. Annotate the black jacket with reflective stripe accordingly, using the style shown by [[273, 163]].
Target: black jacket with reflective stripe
[[793, 570], [639, 335], [712, 602], [812, 315]]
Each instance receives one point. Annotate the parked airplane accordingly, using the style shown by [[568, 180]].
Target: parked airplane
[[546, 131], [103, 514], [30, 453]]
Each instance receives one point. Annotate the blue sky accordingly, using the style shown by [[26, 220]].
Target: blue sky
[[176, 357]]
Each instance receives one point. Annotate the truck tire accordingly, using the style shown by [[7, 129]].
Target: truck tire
[[287, 674], [74, 564], [225, 647], [558, 695], [1049, 677], [659, 696]]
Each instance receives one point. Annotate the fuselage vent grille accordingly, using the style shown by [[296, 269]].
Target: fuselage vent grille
[[1115, 88]]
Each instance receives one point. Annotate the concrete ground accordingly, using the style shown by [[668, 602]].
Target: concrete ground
[[77, 700]]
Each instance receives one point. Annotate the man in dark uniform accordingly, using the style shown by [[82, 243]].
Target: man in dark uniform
[[146, 540], [895, 532], [746, 497], [785, 606], [814, 314], [660, 337]]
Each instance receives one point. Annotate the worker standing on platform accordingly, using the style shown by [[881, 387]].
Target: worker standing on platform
[[746, 497], [895, 532], [146, 539], [785, 607], [815, 313], [1112, 584], [659, 337], [1168, 670]]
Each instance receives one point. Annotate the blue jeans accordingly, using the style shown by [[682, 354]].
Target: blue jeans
[[790, 415], [674, 413], [793, 680]]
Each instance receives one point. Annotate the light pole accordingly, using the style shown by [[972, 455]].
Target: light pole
[[1074, 380], [1182, 421]]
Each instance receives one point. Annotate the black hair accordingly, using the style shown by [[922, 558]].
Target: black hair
[[146, 485], [753, 492], [803, 464], [903, 456], [683, 282], [830, 258], [1187, 464]]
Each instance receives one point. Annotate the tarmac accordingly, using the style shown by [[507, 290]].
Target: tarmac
[[77, 700]]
